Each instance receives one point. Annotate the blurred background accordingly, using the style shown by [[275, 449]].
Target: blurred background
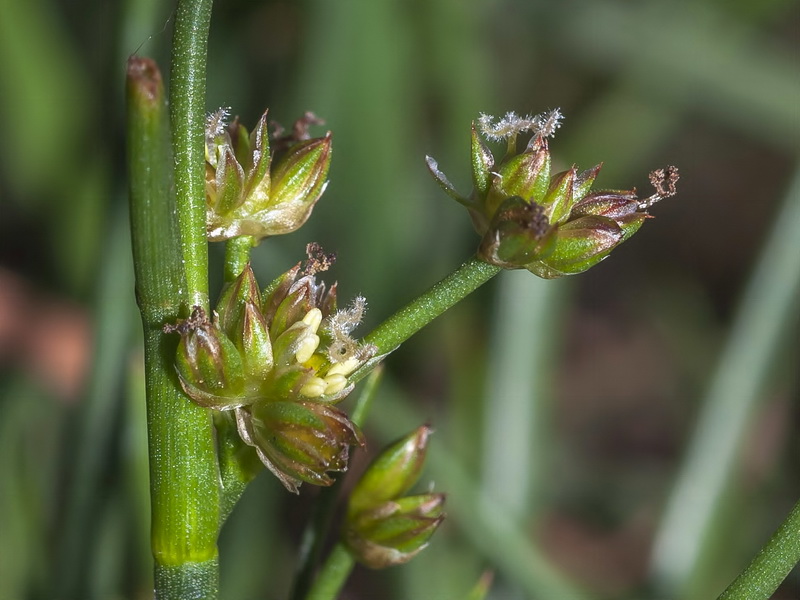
[[630, 433]]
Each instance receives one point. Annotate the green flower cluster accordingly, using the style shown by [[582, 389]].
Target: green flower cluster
[[280, 359], [255, 190], [552, 225], [383, 526]]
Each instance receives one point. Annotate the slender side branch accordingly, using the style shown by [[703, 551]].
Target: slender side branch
[[334, 573], [237, 255], [772, 564], [183, 472], [318, 526], [415, 315], [187, 112]]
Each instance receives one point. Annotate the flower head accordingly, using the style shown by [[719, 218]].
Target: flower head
[[252, 189], [281, 358], [552, 225]]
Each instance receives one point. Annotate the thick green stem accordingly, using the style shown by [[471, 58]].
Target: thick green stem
[[772, 564], [184, 476], [333, 575], [237, 255], [187, 112], [416, 314]]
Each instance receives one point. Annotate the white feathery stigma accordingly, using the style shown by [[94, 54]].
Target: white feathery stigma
[[544, 124]]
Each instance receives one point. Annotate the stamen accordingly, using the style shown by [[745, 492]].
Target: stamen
[[314, 388], [306, 348], [313, 319], [335, 384], [344, 368]]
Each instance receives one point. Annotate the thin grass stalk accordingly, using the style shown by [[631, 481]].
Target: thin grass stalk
[[430, 304], [760, 329], [187, 115], [518, 391], [771, 565], [489, 528], [93, 437], [319, 523]]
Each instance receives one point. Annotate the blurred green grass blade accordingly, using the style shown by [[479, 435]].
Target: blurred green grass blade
[[693, 56], [43, 96], [518, 394], [357, 74], [760, 330], [136, 465], [255, 554], [490, 529], [26, 486], [93, 437]]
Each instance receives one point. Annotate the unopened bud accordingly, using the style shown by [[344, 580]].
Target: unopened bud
[[300, 441], [396, 531], [209, 366], [392, 473]]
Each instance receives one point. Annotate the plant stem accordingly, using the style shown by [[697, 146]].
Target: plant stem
[[419, 312], [772, 564], [238, 464], [325, 504], [184, 486], [237, 255], [187, 106], [365, 399], [333, 575]]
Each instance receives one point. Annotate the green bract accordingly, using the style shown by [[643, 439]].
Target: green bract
[[528, 218]]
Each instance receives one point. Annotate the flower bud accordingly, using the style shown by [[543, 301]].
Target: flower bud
[[525, 175], [392, 473], [395, 531], [580, 244], [382, 528], [518, 234], [299, 441], [233, 299], [209, 365], [298, 181], [281, 360]]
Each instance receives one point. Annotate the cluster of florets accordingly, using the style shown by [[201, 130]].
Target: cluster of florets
[[280, 359], [257, 189], [552, 225]]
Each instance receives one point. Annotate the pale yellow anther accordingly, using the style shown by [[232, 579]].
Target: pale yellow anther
[[315, 387], [345, 367], [335, 383], [313, 319], [306, 347]]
